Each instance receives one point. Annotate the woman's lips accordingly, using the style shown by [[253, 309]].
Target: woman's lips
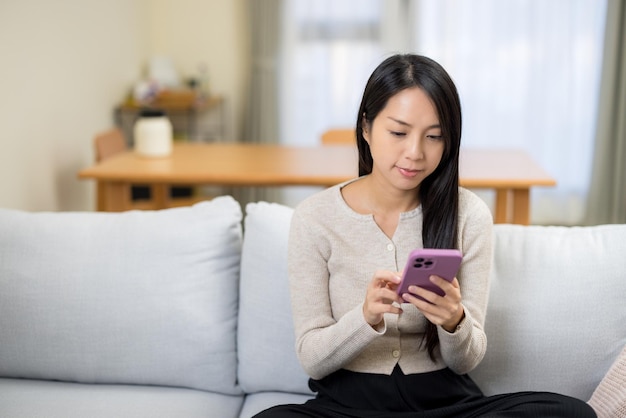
[[408, 172]]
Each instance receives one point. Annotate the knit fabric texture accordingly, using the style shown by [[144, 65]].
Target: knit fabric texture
[[609, 398]]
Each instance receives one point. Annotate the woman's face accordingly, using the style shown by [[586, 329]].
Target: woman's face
[[405, 140]]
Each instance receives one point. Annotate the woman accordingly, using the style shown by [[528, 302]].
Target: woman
[[369, 351]]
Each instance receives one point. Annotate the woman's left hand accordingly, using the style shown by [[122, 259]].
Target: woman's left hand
[[446, 311]]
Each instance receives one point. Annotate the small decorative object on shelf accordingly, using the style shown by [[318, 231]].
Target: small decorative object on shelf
[[153, 134], [193, 117]]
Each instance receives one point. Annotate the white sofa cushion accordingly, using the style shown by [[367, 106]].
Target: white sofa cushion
[[556, 317], [266, 341], [142, 297], [27, 398]]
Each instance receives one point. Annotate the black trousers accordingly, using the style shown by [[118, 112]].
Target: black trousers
[[438, 394]]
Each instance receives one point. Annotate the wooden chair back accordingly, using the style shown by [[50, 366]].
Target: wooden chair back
[[109, 143]]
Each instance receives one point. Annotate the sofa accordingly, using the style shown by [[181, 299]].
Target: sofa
[[185, 312]]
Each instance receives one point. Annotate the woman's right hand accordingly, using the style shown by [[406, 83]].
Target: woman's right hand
[[381, 294]]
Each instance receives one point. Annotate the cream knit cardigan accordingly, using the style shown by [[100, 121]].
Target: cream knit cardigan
[[333, 254]]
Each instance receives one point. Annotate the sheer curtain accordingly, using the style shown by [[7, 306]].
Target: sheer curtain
[[528, 73], [607, 197], [527, 70], [261, 118], [329, 49]]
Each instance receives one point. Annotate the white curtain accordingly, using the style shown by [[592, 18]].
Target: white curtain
[[607, 195], [261, 119], [330, 47], [527, 71]]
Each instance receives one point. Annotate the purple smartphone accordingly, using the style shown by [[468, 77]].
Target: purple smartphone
[[424, 262]]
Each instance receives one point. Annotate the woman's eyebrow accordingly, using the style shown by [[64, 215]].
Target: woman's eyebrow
[[403, 123]]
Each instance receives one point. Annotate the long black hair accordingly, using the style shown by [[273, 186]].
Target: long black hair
[[439, 192]]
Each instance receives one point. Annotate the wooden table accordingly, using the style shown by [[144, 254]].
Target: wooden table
[[510, 173]]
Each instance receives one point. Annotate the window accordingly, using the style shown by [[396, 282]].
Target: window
[[528, 74], [331, 47]]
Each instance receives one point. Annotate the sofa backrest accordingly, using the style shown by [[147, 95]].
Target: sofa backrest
[[556, 319], [152, 298], [132, 298], [556, 316]]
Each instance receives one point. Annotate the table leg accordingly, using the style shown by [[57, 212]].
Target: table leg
[[502, 206], [521, 206], [160, 195], [191, 126], [116, 196], [100, 197]]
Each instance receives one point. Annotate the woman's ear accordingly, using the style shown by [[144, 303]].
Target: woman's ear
[[365, 127]]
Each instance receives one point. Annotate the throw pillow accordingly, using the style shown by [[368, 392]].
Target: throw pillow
[[266, 340], [140, 297]]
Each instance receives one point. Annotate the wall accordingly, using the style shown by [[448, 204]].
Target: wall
[[66, 64], [212, 33]]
